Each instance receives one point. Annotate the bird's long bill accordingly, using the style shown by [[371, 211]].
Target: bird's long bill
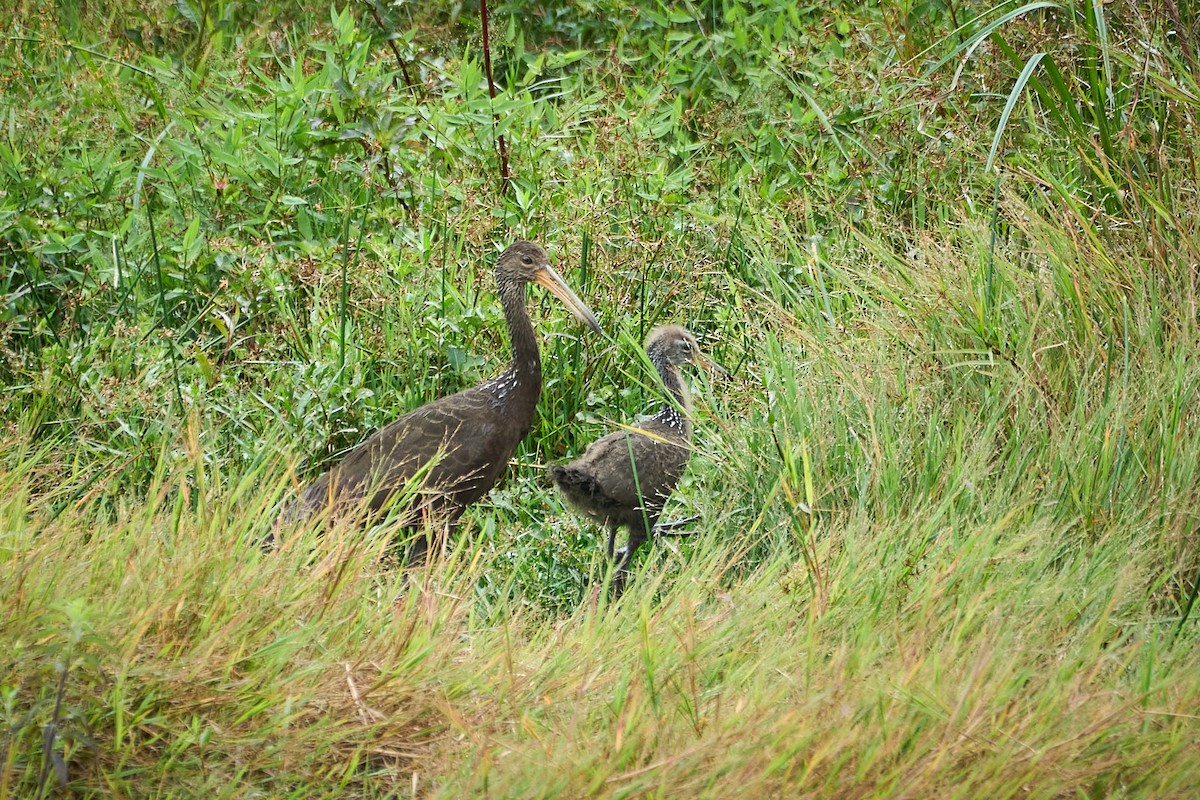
[[558, 287], [711, 365]]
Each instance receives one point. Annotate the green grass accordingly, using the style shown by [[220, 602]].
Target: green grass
[[947, 541]]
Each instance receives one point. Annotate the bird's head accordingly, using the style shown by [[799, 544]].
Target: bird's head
[[527, 262], [675, 345]]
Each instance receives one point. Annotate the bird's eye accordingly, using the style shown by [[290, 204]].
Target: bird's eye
[[526, 260]]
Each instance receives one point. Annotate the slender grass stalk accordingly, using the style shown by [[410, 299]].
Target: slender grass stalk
[[348, 253], [163, 313], [501, 144]]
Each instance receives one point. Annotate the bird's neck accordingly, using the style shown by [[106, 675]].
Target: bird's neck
[[526, 367], [677, 414]]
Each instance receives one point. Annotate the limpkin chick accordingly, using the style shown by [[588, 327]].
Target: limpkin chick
[[455, 448], [625, 478]]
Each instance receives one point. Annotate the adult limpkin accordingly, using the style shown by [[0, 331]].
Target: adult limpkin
[[625, 478], [450, 452]]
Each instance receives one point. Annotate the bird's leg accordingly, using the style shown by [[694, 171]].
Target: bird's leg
[[418, 550], [618, 584], [612, 541], [637, 537]]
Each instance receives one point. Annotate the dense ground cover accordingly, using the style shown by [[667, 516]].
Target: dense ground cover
[[947, 539]]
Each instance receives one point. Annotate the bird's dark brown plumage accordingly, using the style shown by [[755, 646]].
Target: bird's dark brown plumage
[[450, 452], [625, 478]]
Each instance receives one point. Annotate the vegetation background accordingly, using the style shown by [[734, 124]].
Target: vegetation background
[[947, 543]]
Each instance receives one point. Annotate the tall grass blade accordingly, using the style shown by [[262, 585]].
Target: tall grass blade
[[1014, 95]]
